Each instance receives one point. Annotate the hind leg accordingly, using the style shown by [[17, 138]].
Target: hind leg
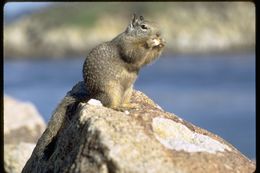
[[126, 104], [115, 97], [110, 100], [110, 95]]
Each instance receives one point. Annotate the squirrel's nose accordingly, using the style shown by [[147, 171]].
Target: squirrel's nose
[[158, 34]]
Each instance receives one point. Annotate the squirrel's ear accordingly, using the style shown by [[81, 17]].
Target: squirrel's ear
[[134, 19], [132, 23]]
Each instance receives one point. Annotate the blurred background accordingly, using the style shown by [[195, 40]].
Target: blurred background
[[206, 74]]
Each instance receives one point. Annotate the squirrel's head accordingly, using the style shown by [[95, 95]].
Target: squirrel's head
[[139, 27]]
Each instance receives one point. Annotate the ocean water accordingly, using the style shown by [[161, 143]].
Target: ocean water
[[215, 92]]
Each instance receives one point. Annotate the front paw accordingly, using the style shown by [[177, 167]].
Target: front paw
[[156, 42], [162, 42]]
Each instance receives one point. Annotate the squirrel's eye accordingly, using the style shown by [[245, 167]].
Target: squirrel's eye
[[144, 27]]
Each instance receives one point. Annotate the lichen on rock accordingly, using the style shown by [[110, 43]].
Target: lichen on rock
[[177, 136]]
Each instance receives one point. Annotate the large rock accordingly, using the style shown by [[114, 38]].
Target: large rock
[[91, 138], [22, 122]]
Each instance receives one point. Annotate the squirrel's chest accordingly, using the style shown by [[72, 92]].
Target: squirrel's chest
[[127, 78]]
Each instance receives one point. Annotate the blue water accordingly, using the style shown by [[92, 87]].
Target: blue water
[[215, 92]]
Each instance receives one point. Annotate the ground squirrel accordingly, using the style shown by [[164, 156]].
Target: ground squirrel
[[111, 68]]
